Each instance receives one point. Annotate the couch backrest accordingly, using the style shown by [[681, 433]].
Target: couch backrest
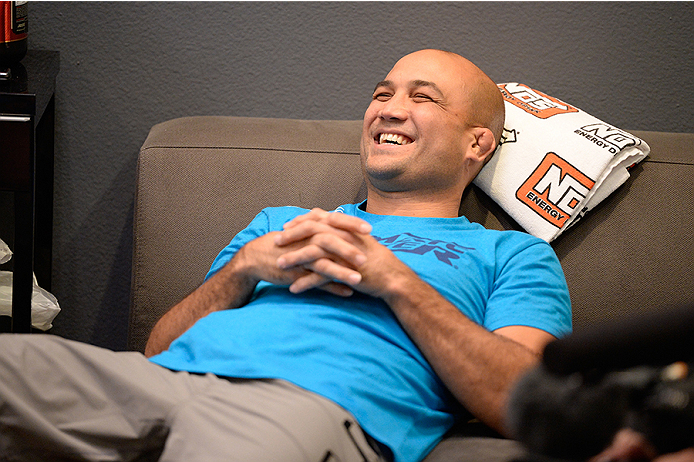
[[202, 179]]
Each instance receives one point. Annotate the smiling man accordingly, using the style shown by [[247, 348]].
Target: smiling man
[[431, 108], [359, 334]]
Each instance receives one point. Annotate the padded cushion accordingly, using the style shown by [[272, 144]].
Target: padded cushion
[[202, 179], [632, 254]]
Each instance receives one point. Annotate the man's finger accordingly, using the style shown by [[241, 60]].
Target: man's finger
[[338, 289], [317, 281], [686, 455], [323, 246], [307, 229], [314, 215], [322, 272], [336, 219], [349, 223]]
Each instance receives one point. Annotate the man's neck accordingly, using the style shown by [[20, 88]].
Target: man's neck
[[408, 205]]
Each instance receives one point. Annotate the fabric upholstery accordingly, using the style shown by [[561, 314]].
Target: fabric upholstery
[[202, 179]]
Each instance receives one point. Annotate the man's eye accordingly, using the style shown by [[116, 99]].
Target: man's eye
[[382, 96], [422, 97]]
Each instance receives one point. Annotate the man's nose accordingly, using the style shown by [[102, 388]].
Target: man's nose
[[394, 109]]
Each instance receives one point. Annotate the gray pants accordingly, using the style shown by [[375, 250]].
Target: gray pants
[[64, 400]]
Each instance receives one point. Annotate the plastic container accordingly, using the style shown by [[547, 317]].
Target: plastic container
[[13, 38]]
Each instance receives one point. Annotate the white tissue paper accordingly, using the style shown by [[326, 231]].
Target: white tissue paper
[[44, 306]]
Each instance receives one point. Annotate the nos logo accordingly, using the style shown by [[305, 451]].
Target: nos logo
[[554, 189], [534, 102]]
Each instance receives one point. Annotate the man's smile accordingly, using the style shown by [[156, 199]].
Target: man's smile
[[393, 138]]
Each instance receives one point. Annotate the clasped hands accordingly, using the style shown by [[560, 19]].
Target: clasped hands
[[331, 251]]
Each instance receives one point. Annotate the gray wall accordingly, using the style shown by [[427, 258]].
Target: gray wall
[[128, 66]]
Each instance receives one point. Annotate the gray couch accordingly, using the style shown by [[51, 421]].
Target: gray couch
[[202, 179]]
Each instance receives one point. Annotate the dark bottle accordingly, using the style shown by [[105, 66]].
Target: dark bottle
[[13, 38]]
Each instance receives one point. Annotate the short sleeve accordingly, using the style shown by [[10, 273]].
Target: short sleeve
[[259, 226], [530, 290]]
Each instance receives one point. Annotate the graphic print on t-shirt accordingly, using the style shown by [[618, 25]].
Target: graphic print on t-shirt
[[445, 252]]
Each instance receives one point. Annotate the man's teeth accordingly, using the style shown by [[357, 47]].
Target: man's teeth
[[393, 139]]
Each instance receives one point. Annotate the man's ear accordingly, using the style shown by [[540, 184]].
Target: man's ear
[[483, 145]]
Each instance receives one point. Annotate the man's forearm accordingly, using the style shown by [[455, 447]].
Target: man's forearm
[[229, 288], [479, 367]]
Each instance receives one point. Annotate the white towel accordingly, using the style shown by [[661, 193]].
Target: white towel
[[555, 162]]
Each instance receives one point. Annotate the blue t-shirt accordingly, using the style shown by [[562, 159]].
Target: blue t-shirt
[[353, 350]]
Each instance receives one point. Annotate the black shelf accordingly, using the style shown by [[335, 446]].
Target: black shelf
[[27, 120]]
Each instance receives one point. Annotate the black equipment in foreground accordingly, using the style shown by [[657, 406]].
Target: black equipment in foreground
[[637, 374]]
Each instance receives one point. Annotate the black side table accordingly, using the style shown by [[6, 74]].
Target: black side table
[[27, 114]]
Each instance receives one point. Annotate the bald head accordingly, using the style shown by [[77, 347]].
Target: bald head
[[482, 98], [432, 124]]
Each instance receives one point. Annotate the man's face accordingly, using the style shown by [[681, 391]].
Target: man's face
[[415, 129]]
